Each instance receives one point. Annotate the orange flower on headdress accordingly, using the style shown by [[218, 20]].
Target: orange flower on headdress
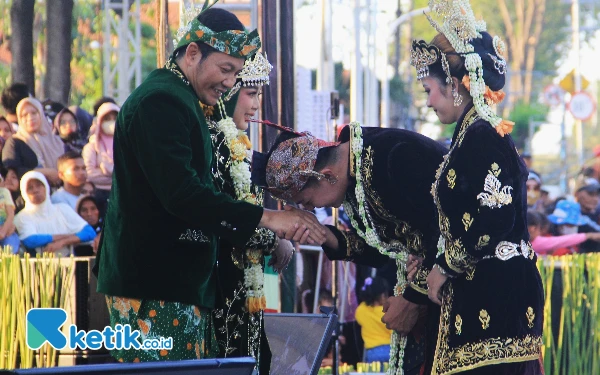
[[491, 97], [505, 127]]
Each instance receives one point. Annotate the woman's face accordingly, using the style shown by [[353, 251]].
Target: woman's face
[[88, 189], [5, 130], [11, 182], [67, 125], [247, 105], [36, 191], [30, 118], [439, 98], [89, 212]]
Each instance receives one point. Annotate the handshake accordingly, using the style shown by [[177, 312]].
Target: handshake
[[295, 225]]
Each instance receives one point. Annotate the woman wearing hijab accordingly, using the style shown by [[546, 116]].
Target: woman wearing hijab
[[66, 127], [98, 153], [34, 146], [48, 227]]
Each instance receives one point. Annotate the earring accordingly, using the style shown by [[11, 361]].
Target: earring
[[332, 180], [457, 97]]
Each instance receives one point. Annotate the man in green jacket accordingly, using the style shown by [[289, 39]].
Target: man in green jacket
[[159, 246]]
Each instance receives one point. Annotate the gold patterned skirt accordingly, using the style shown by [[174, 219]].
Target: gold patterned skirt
[[494, 319]]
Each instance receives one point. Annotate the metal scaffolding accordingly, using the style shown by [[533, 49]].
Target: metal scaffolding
[[122, 48]]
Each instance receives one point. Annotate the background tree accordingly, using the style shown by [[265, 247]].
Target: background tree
[[21, 44], [57, 84]]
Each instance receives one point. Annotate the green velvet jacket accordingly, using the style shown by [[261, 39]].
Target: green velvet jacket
[[165, 215]]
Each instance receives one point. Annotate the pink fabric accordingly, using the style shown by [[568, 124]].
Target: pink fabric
[[98, 153], [547, 245]]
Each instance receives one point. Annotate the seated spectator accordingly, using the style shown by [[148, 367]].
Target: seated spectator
[[553, 245], [72, 173], [11, 96], [34, 146], [6, 129], [48, 227], [67, 128], [534, 186], [11, 182], [84, 120], [87, 208], [374, 333], [567, 219], [587, 194], [97, 104], [89, 189], [98, 153], [8, 236]]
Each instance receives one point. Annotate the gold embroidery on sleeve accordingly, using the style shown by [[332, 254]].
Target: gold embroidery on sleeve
[[484, 318], [495, 170], [467, 221], [495, 195], [451, 177], [483, 241], [458, 324], [530, 316]]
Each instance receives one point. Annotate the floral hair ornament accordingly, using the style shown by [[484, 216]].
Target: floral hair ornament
[[255, 73], [236, 43], [289, 166], [464, 32]]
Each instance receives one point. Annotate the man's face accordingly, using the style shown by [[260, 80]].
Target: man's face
[[321, 194], [73, 172], [214, 75], [588, 200]]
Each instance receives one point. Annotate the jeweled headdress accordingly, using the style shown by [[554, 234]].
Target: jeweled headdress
[[484, 57], [255, 73], [235, 43], [423, 55]]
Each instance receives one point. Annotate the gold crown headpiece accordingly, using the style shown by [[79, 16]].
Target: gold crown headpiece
[[255, 72], [236, 43], [460, 28], [424, 55]]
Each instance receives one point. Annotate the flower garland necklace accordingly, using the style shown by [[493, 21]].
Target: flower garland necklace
[[398, 343], [238, 144]]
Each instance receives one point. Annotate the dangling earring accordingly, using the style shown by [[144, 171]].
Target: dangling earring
[[457, 97]]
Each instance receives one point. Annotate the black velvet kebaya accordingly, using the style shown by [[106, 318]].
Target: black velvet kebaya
[[492, 310]]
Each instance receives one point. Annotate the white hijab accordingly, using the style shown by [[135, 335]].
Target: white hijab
[[46, 217]]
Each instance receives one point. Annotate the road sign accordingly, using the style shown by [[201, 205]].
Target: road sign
[[568, 83], [553, 95], [582, 106]]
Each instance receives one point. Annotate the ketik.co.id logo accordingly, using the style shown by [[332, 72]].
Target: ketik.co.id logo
[[44, 325]]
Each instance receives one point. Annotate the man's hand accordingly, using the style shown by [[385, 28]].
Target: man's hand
[[435, 281], [400, 315], [282, 255], [412, 266], [293, 223]]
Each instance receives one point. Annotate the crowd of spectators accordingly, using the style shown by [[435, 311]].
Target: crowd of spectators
[[56, 173]]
